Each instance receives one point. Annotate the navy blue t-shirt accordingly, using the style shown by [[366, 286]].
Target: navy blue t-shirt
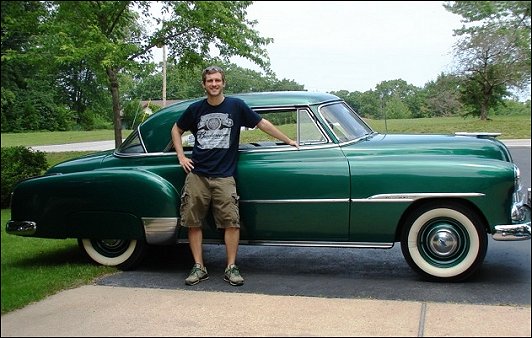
[[216, 130]]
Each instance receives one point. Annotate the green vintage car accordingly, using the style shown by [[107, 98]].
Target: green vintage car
[[439, 196]]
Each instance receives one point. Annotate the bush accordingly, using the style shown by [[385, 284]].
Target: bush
[[19, 163], [90, 120]]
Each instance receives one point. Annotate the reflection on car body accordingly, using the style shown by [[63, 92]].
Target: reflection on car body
[[439, 196]]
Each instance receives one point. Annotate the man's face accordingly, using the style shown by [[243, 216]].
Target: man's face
[[214, 84]]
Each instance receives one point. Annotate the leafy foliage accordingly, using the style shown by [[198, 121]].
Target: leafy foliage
[[19, 163], [81, 65], [90, 44], [494, 54]]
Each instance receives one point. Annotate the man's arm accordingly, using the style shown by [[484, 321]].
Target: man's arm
[[267, 127], [184, 161]]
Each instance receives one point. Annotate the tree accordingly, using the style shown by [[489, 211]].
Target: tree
[[185, 83], [494, 52], [443, 96], [395, 108], [111, 37], [25, 104], [390, 92]]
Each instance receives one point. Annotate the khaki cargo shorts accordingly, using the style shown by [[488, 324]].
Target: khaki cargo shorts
[[197, 195]]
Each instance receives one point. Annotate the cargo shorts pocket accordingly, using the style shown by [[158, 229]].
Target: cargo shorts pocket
[[235, 213], [184, 208]]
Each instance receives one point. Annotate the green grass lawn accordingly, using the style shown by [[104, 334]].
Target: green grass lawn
[[34, 268], [510, 127], [58, 137]]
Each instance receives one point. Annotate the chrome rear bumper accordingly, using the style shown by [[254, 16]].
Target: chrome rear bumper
[[21, 228]]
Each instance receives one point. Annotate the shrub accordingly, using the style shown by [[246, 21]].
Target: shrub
[[19, 163]]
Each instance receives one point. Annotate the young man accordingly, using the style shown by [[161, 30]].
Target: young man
[[215, 123]]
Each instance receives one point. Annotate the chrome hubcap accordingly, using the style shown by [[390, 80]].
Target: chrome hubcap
[[443, 242]]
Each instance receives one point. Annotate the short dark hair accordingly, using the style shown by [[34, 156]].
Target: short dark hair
[[212, 70]]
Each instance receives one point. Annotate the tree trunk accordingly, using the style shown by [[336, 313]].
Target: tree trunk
[[484, 109], [115, 94], [485, 104]]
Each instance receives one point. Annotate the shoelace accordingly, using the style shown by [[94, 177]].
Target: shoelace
[[195, 269], [233, 269]]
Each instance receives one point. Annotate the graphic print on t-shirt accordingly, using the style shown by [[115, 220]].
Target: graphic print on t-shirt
[[214, 131]]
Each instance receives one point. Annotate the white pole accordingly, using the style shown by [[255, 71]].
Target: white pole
[[164, 75]]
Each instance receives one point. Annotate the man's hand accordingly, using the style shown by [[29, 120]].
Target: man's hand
[[186, 163], [293, 143], [267, 127]]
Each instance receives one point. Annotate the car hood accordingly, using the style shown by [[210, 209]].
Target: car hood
[[425, 144]]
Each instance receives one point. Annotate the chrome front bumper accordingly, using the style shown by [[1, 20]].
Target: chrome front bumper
[[520, 230]]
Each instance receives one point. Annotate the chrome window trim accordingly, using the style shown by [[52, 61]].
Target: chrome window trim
[[290, 148], [159, 153], [139, 135]]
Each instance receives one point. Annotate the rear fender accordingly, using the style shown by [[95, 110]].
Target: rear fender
[[94, 204]]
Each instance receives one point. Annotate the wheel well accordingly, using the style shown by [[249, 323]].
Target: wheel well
[[424, 201]]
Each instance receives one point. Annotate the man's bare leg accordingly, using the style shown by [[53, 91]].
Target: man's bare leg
[[195, 238], [232, 237]]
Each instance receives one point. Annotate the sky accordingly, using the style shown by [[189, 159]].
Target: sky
[[355, 45]]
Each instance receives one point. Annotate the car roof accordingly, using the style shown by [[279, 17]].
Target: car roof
[[282, 98], [271, 99], [165, 118]]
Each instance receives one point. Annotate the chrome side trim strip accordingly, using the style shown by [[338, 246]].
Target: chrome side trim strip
[[363, 245], [317, 200], [160, 230], [409, 197], [401, 197]]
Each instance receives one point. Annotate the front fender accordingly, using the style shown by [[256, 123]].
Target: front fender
[[108, 203]]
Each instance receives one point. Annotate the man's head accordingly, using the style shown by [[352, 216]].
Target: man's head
[[211, 70], [213, 81]]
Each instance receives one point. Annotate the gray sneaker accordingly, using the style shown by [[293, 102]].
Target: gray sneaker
[[232, 275], [197, 274]]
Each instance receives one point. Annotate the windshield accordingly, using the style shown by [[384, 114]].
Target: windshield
[[344, 122]]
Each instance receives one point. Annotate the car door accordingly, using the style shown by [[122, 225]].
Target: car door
[[290, 194]]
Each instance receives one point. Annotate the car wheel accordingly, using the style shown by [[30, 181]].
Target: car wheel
[[123, 254], [444, 241]]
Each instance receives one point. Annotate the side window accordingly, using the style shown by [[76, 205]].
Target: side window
[[132, 145], [308, 131], [296, 124], [284, 120], [187, 139]]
